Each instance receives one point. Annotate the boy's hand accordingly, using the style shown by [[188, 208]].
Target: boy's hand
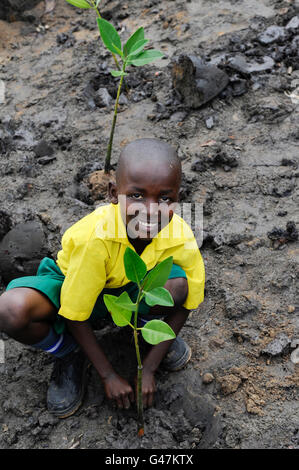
[[148, 387], [118, 389]]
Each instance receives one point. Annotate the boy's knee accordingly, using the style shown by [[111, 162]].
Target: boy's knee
[[14, 313], [178, 288]]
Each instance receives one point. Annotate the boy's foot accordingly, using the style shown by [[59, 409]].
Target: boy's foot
[[67, 384], [177, 356]]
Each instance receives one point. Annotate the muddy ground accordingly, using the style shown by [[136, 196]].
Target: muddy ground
[[240, 159]]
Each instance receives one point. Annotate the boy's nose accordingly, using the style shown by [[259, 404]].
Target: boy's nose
[[151, 209]]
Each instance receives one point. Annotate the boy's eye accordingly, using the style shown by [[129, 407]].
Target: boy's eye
[[136, 196], [164, 199]]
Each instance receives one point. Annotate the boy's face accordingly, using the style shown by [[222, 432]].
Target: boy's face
[[147, 194]]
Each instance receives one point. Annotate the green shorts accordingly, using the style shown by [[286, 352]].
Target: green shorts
[[49, 279]]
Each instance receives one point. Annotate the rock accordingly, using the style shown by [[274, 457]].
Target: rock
[[46, 160], [219, 158], [67, 40], [208, 378], [229, 383], [11, 10], [270, 110], [210, 122], [21, 250], [246, 67], [278, 346], [43, 149], [293, 24], [295, 45], [103, 98], [280, 236], [5, 223], [295, 356], [272, 34], [195, 82], [237, 306]]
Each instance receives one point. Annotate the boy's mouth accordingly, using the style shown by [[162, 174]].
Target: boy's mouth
[[144, 228], [147, 225]]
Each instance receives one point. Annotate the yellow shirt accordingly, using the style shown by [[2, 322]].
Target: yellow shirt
[[92, 255]]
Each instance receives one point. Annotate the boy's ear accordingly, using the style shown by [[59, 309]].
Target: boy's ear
[[112, 192]]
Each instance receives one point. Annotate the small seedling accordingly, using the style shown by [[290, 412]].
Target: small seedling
[[150, 287]]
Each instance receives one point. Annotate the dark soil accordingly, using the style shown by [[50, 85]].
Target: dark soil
[[240, 160]]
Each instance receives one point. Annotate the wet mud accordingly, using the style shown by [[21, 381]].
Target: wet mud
[[239, 148]]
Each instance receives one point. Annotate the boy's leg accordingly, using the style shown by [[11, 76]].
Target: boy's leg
[[27, 316], [176, 352]]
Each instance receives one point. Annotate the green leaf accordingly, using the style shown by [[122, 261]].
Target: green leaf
[[158, 276], [135, 267], [156, 331], [79, 3], [120, 316], [109, 36], [137, 36], [137, 48], [159, 296], [146, 57], [125, 302], [118, 73]]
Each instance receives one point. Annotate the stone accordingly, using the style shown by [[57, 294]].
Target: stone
[[241, 64], [102, 98], [208, 378], [196, 82], [43, 149], [277, 346], [21, 250], [295, 356], [280, 236], [12, 10], [272, 35], [293, 24], [237, 306]]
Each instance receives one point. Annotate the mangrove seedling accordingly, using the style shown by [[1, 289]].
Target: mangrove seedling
[[131, 53], [125, 312]]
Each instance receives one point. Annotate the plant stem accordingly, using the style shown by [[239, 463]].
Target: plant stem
[[140, 421], [109, 149]]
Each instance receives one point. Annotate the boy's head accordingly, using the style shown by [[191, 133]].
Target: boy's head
[[148, 178]]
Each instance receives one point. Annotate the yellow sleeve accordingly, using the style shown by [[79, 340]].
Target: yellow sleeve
[[84, 280], [189, 258]]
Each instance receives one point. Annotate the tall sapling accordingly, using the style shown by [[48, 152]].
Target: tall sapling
[[132, 53]]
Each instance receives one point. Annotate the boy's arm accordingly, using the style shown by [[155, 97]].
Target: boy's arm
[[116, 387]]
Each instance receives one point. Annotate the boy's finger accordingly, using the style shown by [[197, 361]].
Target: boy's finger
[[119, 403], [131, 397], [126, 402]]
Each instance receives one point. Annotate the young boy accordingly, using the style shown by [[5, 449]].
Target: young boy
[[56, 310]]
